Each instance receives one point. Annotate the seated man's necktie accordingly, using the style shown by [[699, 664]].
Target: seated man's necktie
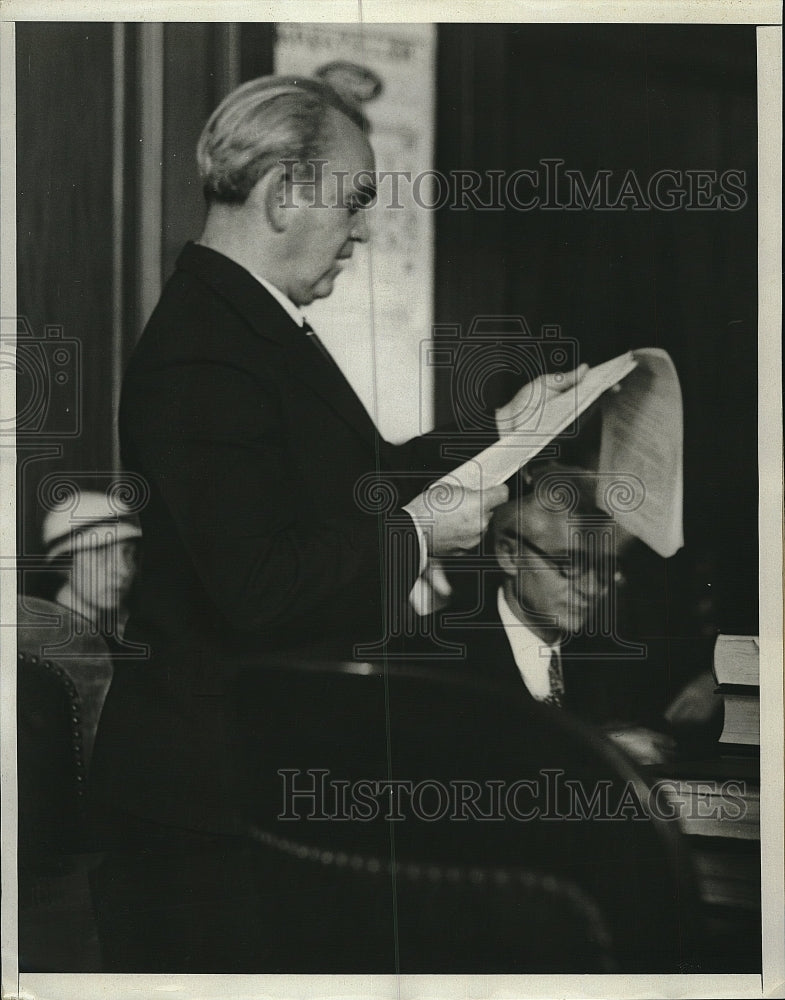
[[556, 680]]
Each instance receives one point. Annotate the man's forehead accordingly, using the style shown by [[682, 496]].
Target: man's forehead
[[550, 529], [528, 518], [350, 161]]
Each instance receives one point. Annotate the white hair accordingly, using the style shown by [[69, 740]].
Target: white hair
[[262, 122]]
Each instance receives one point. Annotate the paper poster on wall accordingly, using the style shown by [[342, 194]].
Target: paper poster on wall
[[382, 306]]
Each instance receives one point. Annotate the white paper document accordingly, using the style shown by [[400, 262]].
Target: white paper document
[[496, 464], [640, 466], [642, 444]]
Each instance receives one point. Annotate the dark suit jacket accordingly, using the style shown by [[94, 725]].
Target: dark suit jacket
[[599, 688], [262, 533]]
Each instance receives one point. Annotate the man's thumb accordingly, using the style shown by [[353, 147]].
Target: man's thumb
[[566, 380], [495, 496]]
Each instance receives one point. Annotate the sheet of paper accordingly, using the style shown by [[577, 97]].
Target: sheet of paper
[[642, 445], [496, 464]]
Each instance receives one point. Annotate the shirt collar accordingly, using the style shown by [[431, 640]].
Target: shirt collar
[[528, 639], [284, 301], [532, 656]]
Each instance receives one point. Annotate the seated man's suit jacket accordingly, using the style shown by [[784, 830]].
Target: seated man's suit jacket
[[600, 687], [263, 533]]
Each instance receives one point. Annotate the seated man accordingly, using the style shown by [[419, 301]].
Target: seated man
[[549, 622]]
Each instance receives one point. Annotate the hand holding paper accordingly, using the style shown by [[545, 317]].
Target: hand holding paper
[[525, 406], [641, 440], [452, 518], [546, 414]]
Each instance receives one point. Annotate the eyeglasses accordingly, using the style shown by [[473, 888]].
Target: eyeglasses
[[568, 567]]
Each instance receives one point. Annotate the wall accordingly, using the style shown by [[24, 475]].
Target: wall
[[65, 256], [379, 317]]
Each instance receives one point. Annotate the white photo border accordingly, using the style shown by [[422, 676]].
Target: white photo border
[[768, 16]]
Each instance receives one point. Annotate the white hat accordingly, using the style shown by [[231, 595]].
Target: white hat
[[93, 520]]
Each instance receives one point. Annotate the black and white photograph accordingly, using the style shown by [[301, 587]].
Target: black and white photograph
[[391, 446]]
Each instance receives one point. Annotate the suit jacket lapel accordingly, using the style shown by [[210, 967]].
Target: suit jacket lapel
[[271, 322], [489, 648], [306, 363]]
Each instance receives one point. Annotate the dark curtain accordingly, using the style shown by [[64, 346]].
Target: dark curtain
[[640, 98]]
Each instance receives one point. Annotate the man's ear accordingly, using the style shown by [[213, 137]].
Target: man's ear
[[272, 195], [505, 549]]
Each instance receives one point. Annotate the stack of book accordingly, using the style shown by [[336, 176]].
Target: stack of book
[[737, 670], [717, 798], [720, 796]]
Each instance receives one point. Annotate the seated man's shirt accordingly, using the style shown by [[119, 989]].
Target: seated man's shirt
[[532, 656]]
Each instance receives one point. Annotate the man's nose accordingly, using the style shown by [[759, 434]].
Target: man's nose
[[124, 570], [126, 563], [361, 230], [593, 583], [590, 573]]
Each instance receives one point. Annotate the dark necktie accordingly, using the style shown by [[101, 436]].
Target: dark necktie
[[556, 697], [309, 331]]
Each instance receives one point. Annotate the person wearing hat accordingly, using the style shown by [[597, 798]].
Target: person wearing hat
[[94, 547]]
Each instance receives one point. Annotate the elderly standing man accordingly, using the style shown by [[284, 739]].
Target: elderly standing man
[[252, 443]]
